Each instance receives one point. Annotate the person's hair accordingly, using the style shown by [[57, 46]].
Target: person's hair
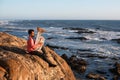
[[30, 31]]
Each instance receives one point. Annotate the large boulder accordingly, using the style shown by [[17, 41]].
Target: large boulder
[[15, 64], [10, 40]]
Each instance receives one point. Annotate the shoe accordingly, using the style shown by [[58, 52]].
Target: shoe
[[40, 51]]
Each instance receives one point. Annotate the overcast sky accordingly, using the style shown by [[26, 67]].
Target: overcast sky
[[60, 9]]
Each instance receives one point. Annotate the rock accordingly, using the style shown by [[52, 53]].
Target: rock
[[102, 57], [112, 70], [116, 69], [82, 50], [85, 31], [102, 78], [117, 65], [64, 56], [11, 41], [101, 72], [115, 58], [50, 38], [15, 64], [117, 40], [78, 65], [116, 77], [103, 38], [80, 30], [92, 55], [95, 76], [56, 47], [78, 38]]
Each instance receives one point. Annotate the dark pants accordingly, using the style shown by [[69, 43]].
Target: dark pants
[[45, 56], [37, 53]]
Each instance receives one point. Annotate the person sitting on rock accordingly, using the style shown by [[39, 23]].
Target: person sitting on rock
[[36, 47]]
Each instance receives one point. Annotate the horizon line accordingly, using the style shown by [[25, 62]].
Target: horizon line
[[65, 19]]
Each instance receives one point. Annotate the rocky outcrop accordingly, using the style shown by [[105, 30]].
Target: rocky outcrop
[[79, 65], [15, 64], [116, 71], [10, 40]]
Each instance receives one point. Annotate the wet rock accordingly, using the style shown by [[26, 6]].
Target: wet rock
[[102, 57], [116, 69], [78, 65], [96, 55], [117, 40], [80, 30], [116, 77], [112, 70], [103, 38], [85, 31], [50, 38], [92, 55], [15, 64], [81, 50], [95, 76], [64, 56], [102, 78], [56, 47], [101, 72], [78, 38], [71, 28], [115, 58]]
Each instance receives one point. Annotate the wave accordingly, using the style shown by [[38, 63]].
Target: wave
[[5, 22], [102, 35], [13, 29]]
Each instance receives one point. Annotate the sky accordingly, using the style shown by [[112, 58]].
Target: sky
[[60, 9]]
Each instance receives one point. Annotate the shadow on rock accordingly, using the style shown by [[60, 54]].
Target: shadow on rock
[[13, 49]]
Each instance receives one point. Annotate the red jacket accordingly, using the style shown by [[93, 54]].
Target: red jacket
[[31, 46]]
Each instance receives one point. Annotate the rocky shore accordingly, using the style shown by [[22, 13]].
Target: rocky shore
[[80, 66], [16, 64]]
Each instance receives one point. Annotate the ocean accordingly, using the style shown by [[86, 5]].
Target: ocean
[[91, 40]]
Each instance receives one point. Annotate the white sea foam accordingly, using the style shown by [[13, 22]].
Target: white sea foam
[[51, 27], [10, 27], [102, 35], [4, 22], [25, 37], [72, 30]]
